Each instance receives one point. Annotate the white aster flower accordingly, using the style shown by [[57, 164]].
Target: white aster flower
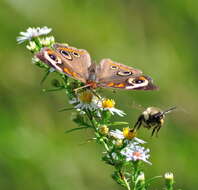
[[135, 152], [118, 134], [33, 32], [85, 101], [136, 140], [109, 104]]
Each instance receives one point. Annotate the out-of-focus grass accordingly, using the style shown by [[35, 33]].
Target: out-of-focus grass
[[161, 38]]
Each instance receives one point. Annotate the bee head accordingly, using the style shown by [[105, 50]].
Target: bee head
[[161, 121]]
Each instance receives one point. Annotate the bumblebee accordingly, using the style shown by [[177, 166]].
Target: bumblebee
[[152, 117]]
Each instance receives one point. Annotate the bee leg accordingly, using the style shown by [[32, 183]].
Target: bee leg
[[154, 130], [138, 123], [148, 126], [158, 128]]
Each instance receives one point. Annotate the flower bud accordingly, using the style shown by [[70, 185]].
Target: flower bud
[[118, 142], [104, 130], [32, 46], [169, 180], [141, 179]]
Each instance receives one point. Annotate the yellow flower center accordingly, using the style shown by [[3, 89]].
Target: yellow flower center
[[86, 97], [129, 133], [107, 103]]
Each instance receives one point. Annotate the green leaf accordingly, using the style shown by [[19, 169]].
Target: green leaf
[[65, 109], [45, 76], [116, 176], [118, 123], [77, 129], [53, 90], [149, 181]]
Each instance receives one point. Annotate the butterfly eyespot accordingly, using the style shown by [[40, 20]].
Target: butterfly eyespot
[[114, 67], [138, 81], [53, 57], [124, 73], [66, 54], [76, 54], [135, 81]]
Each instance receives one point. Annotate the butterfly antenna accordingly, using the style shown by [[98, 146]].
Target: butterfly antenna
[[169, 110]]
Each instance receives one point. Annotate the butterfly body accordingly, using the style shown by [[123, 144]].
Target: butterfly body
[[76, 63]]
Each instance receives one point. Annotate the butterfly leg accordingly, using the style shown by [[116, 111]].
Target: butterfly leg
[[94, 93], [82, 87]]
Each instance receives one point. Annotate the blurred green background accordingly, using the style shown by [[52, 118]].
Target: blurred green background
[[158, 37]]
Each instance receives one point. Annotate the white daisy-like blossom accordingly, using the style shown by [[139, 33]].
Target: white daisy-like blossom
[[85, 101], [109, 105], [135, 152], [116, 111], [33, 32], [118, 134]]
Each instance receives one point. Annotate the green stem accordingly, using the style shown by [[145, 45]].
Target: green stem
[[92, 120], [126, 183], [105, 145]]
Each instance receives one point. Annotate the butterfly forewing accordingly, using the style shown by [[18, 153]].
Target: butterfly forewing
[[115, 75], [71, 61], [77, 59]]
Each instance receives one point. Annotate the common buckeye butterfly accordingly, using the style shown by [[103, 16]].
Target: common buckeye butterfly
[[76, 63]]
